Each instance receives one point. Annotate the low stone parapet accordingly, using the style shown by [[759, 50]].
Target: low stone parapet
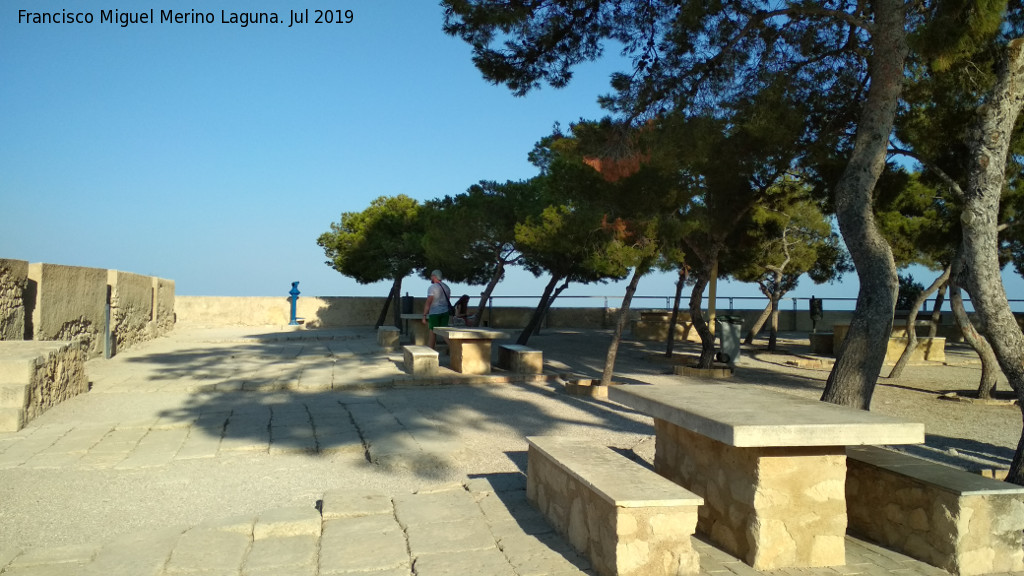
[[927, 350], [657, 331], [35, 376], [420, 360], [625, 518], [953, 519]]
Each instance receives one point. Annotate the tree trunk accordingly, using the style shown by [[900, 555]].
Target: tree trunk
[[397, 308], [940, 297], [860, 357], [707, 339], [901, 364], [670, 345], [613, 348], [759, 323], [384, 310], [773, 334], [486, 294], [989, 143], [989, 364], [539, 312]]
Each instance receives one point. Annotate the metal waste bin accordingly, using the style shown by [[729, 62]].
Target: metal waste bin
[[730, 331]]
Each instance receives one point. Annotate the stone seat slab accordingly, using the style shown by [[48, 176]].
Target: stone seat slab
[[612, 476]]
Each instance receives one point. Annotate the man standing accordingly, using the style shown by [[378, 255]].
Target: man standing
[[435, 311]]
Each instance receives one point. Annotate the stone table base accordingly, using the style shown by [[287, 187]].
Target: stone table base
[[772, 507]]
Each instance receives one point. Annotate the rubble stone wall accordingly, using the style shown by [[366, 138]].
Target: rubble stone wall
[[131, 309], [70, 302], [13, 281], [36, 376]]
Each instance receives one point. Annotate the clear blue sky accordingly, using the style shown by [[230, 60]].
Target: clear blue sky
[[215, 154]]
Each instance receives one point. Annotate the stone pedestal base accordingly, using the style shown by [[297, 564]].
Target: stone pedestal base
[[470, 356], [771, 507]]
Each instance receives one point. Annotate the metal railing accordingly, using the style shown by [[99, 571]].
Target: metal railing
[[722, 303]]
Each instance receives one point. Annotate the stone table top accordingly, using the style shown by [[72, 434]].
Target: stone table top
[[743, 416], [470, 333]]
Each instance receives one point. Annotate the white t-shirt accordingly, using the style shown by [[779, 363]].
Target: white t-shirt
[[441, 294]]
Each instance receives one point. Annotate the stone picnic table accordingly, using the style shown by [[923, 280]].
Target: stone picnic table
[[770, 466], [416, 329], [470, 348]]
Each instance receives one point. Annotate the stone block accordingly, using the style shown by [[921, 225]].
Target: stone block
[[13, 283], [420, 360], [927, 350], [388, 337], [657, 331], [132, 298], [164, 315], [70, 302], [822, 343], [587, 387], [352, 503], [520, 359], [37, 376], [288, 522]]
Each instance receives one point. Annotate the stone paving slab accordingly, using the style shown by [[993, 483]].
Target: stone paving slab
[[175, 410]]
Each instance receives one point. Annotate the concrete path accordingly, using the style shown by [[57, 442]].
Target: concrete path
[[266, 452]]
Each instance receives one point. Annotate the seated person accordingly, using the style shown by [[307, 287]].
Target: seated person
[[461, 316]]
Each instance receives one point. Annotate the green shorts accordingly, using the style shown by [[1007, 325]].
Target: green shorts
[[437, 320]]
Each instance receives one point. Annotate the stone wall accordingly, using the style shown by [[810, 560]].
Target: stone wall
[[132, 298], [43, 302], [70, 302], [13, 281], [964, 534], [794, 516], [641, 541], [35, 376], [164, 316]]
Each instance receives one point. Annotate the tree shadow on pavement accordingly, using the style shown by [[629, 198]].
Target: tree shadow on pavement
[[310, 398]]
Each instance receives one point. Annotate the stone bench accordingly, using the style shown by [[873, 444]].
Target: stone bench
[[958, 521], [36, 376], [625, 518], [520, 359], [821, 343], [387, 337], [420, 360]]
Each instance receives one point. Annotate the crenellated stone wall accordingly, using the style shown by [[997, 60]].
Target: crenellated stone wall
[[761, 524], [164, 314], [13, 281], [43, 302], [70, 302], [132, 298]]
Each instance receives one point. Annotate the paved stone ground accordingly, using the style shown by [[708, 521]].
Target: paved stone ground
[[268, 452]]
